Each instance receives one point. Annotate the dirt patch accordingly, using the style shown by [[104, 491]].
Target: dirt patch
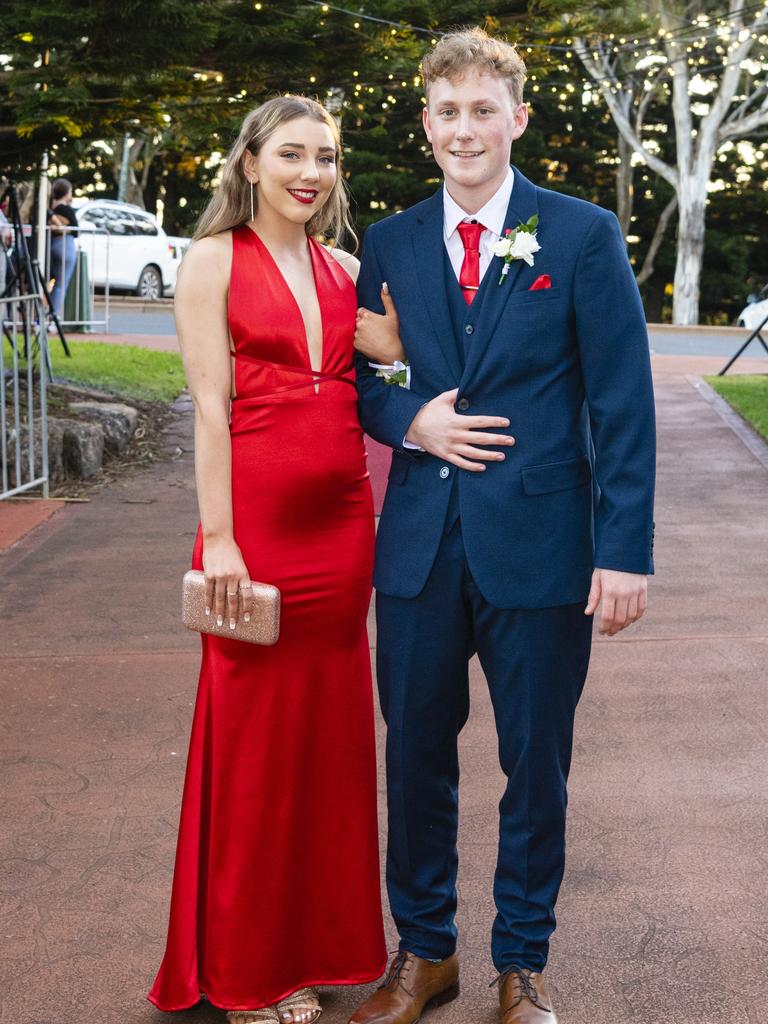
[[145, 446], [73, 423]]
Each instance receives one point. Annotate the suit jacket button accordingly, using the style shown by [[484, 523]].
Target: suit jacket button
[[444, 472], [469, 329], [463, 404]]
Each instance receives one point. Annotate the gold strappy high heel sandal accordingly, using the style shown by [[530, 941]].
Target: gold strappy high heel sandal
[[301, 1007], [264, 1015]]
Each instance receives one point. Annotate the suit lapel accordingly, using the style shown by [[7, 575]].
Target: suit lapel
[[523, 204], [428, 245]]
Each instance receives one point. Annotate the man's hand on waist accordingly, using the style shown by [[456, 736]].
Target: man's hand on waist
[[440, 430]]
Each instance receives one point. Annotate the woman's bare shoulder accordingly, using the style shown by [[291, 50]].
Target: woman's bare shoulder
[[207, 259], [211, 251], [346, 260]]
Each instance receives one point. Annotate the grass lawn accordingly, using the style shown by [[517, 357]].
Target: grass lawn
[[125, 370], [748, 395]]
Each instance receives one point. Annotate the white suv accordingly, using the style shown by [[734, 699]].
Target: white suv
[[140, 257], [756, 310]]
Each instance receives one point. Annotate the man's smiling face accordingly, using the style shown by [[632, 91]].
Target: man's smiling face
[[471, 123]]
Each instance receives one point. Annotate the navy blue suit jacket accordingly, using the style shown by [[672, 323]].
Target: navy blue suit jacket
[[569, 366]]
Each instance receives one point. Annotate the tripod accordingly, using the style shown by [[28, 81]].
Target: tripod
[[754, 336], [26, 278]]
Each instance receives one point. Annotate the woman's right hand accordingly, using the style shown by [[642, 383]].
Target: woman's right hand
[[227, 582], [377, 336]]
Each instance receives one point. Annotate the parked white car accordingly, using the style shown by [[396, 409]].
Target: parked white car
[[140, 256], [756, 310]]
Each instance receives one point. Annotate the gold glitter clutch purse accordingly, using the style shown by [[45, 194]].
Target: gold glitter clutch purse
[[264, 627]]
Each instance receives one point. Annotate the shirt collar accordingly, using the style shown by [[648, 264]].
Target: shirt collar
[[491, 215]]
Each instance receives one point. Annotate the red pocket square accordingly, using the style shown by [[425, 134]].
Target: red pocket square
[[545, 281]]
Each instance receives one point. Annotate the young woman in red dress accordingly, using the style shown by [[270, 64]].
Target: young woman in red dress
[[276, 882]]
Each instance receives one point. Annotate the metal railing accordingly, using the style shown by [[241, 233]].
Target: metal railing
[[92, 248], [23, 398]]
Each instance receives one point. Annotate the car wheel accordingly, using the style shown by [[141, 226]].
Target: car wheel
[[150, 284]]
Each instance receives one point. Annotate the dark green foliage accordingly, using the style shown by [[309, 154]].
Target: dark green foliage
[[736, 257], [183, 75]]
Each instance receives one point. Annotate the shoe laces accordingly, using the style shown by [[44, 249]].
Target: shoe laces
[[397, 969], [527, 990]]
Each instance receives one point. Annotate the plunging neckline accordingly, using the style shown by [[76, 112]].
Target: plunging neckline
[[295, 301]]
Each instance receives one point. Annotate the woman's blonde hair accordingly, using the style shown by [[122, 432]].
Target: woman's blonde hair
[[474, 48], [231, 203]]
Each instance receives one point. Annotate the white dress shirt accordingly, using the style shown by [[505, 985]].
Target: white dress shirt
[[491, 216]]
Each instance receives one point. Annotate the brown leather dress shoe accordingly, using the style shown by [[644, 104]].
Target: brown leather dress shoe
[[410, 986], [523, 998]]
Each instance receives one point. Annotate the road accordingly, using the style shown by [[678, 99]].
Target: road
[[681, 341]]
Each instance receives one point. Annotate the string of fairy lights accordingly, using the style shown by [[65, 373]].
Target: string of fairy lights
[[692, 26], [704, 43]]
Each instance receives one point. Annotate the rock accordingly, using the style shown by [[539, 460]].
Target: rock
[[55, 452], [183, 403], [56, 428], [83, 448], [75, 448], [77, 392], [118, 421]]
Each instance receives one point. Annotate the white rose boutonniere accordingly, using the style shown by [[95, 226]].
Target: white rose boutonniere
[[518, 244]]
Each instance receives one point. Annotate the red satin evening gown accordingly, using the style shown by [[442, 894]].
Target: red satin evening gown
[[276, 883]]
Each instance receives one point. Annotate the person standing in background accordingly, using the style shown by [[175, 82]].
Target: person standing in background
[[6, 237], [63, 224]]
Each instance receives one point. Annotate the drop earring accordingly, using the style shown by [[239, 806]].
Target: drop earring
[[251, 200]]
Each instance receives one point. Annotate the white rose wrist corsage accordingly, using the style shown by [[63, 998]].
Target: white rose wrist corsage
[[392, 373]]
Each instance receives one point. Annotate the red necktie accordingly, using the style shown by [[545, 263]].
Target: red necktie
[[469, 279]]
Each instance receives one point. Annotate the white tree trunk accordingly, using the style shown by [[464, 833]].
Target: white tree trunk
[[696, 144], [691, 229], [624, 185], [133, 190]]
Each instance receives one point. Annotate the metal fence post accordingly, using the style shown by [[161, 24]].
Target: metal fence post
[[18, 447]]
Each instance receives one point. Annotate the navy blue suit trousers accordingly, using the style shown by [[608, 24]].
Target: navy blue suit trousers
[[535, 661]]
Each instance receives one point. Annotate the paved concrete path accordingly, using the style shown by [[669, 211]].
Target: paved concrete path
[[663, 909]]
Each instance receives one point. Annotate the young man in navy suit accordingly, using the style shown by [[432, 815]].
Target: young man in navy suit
[[519, 503]]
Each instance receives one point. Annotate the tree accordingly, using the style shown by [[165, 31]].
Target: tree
[[711, 71], [74, 69], [178, 79]]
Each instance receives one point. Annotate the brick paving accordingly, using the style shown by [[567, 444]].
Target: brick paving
[[20, 516], [662, 913]]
